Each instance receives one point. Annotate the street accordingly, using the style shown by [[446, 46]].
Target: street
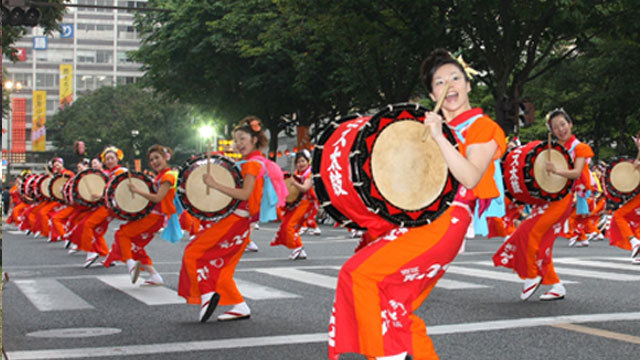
[[53, 308]]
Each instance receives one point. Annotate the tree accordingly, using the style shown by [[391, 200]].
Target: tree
[[49, 21], [107, 116]]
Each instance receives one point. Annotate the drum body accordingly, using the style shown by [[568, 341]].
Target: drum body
[[525, 177], [56, 185], [375, 172], [295, 195], [87, 183], [43, 187], [26, 189], [124, 204], [621, 180], [192, 191]]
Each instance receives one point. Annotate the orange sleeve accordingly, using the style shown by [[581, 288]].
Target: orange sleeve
[[254, 168], [584, 150], [484, 130], [166, 204]]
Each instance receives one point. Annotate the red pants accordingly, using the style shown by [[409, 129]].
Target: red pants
[[624, 222], [210, 260], [288, 233], [381, 286], [528, 250], [16, 213], [131, 239], [89, 233], [58, 219]]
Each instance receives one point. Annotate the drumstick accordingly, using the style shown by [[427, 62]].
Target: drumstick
[[549, 147], [130, 182], [208, 163], [443, 95]]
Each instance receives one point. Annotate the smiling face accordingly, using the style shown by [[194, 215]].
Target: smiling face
[[457, 97], [302, 164], [158, 161], [96, 164], [110, 160], [561, 128], [57, 167], [244, 143]]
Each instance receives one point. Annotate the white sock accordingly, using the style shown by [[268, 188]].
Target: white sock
[[206, 297], [400, 356], [634, 241], [241, 308]]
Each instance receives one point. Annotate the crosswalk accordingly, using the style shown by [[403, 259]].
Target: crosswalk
[[50, 294]]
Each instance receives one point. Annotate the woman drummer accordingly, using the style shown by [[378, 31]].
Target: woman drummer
[[210, 259], [530, 246], [89, 233], [132, 238], [624, 228], [381, 285], [294, 219]]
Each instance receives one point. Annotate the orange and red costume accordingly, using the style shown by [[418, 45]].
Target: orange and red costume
[[382, 284]]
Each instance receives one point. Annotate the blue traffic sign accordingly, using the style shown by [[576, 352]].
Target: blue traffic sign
[[66, 31]]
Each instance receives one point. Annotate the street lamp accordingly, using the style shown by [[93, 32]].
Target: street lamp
[[10, 87], [206, 132]]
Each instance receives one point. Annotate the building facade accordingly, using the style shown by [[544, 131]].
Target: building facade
[[89, 51]]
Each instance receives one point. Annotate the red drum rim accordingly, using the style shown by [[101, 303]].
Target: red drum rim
[[52, 183], [77, 199], [188, 167], [611, 192], [111, 201], [369, 192]]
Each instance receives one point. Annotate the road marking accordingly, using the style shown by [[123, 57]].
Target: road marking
[[306, 277], [597, 264], [457, 285], [181, 347], [599, 332], [51, 295], [490, 274], [149, 295], [596, 274], [255, 291]]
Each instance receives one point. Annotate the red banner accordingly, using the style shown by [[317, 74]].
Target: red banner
[[21, 53], [19, 129]]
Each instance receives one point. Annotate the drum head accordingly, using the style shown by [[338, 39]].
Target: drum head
[[410, 178], [44, 187], [624, 177], [196, 190], [91, 184], [550, 183], [56, 187], [128, 201]]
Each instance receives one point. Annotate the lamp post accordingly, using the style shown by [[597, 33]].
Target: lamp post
[[10, 87], [136, 152]]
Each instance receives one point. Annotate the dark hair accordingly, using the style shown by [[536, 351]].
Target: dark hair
[[252, 125], [86, 162], [163, 150], [433, 62], [555, 112], [304, 153]]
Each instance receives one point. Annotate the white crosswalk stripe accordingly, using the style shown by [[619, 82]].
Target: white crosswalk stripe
[[149, 295], [48, 294], [51, 295]]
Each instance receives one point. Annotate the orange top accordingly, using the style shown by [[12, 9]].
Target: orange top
[[481, 130], [166, 205], [254, 168], [584, 151]]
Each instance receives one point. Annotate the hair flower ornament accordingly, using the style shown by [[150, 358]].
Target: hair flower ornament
[[255, 125]]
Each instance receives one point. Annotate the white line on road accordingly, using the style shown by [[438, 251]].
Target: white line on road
[[51, 295], [306, 277], [191, 346], [598, 264], [255, 291], [457, 285], [150, 295], [489, 274], [596, 274]]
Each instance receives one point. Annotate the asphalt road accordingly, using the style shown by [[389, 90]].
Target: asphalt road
[[55, 309]]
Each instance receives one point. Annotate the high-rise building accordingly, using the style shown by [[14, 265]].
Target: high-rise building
[[89, 51]]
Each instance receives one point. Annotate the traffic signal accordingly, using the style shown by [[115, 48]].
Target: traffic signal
[[17, 16], [526, 113]]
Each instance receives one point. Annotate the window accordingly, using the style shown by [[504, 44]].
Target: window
[[104, 57], [44, 81]]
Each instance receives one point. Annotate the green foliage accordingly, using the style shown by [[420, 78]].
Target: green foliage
[[49, 21], [107, 116]]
